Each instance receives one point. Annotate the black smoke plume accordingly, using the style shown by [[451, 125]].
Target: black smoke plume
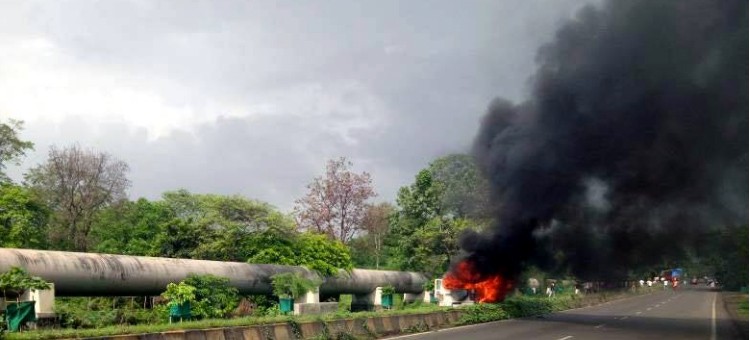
[[632, 144]]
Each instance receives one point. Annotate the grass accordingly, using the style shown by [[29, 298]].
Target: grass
[[214, 323], [742, 306]]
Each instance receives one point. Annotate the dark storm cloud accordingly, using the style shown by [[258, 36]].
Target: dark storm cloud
[[632, 144]]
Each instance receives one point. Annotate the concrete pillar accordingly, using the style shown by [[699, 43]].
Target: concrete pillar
[[423, 296], [302, 303], [44, 301], [312, 296], [427, 296], [366, 302]]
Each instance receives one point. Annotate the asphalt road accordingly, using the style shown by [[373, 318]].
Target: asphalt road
[[689, 313]]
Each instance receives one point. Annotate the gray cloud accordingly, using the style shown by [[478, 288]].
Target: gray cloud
[[391, 85]]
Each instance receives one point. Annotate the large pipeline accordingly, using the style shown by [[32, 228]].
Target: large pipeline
[[91, 274]]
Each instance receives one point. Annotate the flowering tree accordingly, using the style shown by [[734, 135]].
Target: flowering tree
[[336, 202]]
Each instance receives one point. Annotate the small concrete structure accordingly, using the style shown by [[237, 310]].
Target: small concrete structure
[[315, 308], [306, 304], [369, 301], [44, 301]]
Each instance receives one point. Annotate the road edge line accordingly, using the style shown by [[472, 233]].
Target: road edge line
[[713, 318]]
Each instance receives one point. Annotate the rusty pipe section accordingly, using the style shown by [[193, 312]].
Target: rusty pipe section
[[92, 274]]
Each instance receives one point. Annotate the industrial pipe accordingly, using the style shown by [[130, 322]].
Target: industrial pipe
[[92, 274]]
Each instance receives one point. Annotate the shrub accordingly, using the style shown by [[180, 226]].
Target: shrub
[[388, 290], [428, 285], [522, 306], [484, 312], [102, 312], [742, 307], [291, 285], [16, 281], [214, 298], [178, 294]]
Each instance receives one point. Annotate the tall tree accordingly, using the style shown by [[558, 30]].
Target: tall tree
[[12, 148], [336, 202], [464, 193], [217, 227], [23, 218], [425, 236], [376, 224], [129, 227], [76, 183], [314, 251], [418, 204]]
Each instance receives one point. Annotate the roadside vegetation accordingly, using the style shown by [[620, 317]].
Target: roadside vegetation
[[519, 306], [742, 308], [213, 323], [514, 307]]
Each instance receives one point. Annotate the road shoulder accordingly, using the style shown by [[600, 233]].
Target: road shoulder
[[731, 303]]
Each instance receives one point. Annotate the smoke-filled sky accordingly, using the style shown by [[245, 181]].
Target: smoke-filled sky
[[252, 97], [631, 145]]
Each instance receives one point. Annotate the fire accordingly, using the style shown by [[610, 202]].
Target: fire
[[487, 289]]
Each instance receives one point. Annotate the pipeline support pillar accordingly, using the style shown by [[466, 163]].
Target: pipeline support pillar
[[309, 303]]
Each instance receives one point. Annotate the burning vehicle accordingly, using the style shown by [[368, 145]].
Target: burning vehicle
[[464, 285]]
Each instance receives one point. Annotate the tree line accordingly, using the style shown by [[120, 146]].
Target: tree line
[[77, 200]]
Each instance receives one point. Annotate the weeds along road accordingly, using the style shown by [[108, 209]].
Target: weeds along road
[[689, 313]]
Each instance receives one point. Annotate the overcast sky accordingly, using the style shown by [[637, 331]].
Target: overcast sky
[[251, 98]]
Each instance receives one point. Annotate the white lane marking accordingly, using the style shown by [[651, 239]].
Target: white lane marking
[[638, 312], [648, 309], [408, 336], [713, 319], [449, 329], [599, 326], [623, 318], [566, 338], [468, 326]]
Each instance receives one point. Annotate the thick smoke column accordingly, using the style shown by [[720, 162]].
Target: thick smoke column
[[632, 144]]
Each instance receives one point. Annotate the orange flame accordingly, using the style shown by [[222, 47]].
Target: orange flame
[[487, 288]]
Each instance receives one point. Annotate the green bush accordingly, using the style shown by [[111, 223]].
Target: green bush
[[522, 306], [101, 312], [345, 303], [484, 312], [517, 306], [743, 307], [388, 290], [429, 285], [178, 294], [214, 298], [291, 285], [16, 281]]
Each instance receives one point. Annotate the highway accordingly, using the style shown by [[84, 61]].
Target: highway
[[689, 313]]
